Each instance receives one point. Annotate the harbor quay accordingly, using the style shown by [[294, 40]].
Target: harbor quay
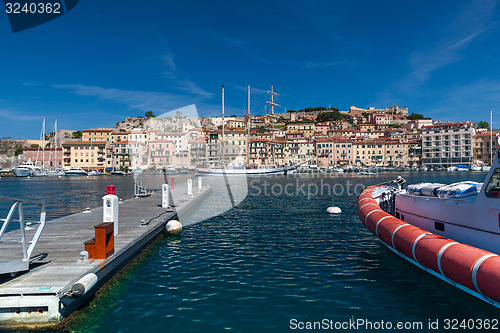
[[66, 268]]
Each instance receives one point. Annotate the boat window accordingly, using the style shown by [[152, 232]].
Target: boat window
[[493, 188]]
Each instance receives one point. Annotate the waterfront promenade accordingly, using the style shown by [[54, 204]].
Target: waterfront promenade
[[41, 295]]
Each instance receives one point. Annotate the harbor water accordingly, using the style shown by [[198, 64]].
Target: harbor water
[[265, 258]]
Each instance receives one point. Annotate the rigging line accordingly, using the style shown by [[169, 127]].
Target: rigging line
[[351, 208]]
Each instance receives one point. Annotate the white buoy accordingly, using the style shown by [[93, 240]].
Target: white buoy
[[334, 210], [174, 227]]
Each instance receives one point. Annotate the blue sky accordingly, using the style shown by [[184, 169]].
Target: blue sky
[[107, 60]]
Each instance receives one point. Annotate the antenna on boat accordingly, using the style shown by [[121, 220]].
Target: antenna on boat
[[491, 137]]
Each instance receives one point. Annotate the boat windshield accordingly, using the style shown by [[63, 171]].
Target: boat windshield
[[493, 188]]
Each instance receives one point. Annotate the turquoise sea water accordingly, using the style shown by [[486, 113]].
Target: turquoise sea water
[[274, 261]]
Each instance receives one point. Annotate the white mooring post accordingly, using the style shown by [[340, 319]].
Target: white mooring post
[[110, 207], [190, 187], [200, 184], [165, 196]]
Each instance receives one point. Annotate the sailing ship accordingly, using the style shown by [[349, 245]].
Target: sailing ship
[[239, 170]]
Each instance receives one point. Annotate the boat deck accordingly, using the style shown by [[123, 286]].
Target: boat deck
[[38, 295]]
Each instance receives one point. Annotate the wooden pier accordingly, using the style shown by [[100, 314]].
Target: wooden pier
[[43, 294]]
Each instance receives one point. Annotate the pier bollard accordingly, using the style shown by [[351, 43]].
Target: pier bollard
[[110, 207], [165, 196], [200, 184], [172, 183], [190, 187]]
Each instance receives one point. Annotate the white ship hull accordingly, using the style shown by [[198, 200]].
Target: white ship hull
[[244, 171]]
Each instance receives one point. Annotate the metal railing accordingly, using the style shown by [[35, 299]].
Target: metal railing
[[16, 266]]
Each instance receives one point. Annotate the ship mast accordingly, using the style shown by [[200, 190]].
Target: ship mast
[[272, 93], [248, 128], [222, 141]]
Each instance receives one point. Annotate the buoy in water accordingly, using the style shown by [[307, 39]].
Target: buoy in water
[[174, 227], [334, 210]]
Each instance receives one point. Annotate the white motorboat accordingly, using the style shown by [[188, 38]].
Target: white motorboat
[[170, 170], [93, 173], [475, 168], [76, 171], [27, 169], [451, 231], [118, 172]]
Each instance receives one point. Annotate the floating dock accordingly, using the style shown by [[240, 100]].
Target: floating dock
[[44, 293]]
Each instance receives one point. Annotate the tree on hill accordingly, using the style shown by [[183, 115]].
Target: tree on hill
[[483, 124], [77, 134], [19, 150], [149, 114], [330, 116], [416, 116], [318, 108]]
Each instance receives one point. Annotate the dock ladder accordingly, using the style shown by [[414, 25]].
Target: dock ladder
[[14, 266]]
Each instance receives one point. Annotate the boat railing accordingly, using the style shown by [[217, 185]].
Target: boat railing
[[28, 246]]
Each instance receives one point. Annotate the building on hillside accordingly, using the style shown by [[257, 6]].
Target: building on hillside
[[161, 153], [379, 118], [97, 134], [483, 149], [182, 159], [392, 110], [259, 152], [179, 138], [448, 144], [414, 149], [306, 128], [198, 150], [234, 143], [381, 152], [213, 147], [88, 155], [334, 151]]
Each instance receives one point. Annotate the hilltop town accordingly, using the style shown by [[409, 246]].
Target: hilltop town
[[323, 137]]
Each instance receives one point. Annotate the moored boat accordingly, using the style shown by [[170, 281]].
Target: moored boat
[[76, 171], [27, 169], [451, 231], [241, 171]]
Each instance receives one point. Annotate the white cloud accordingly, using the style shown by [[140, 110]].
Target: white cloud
[[190, 87], [141, 100], [171, 71], [16, 115]]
